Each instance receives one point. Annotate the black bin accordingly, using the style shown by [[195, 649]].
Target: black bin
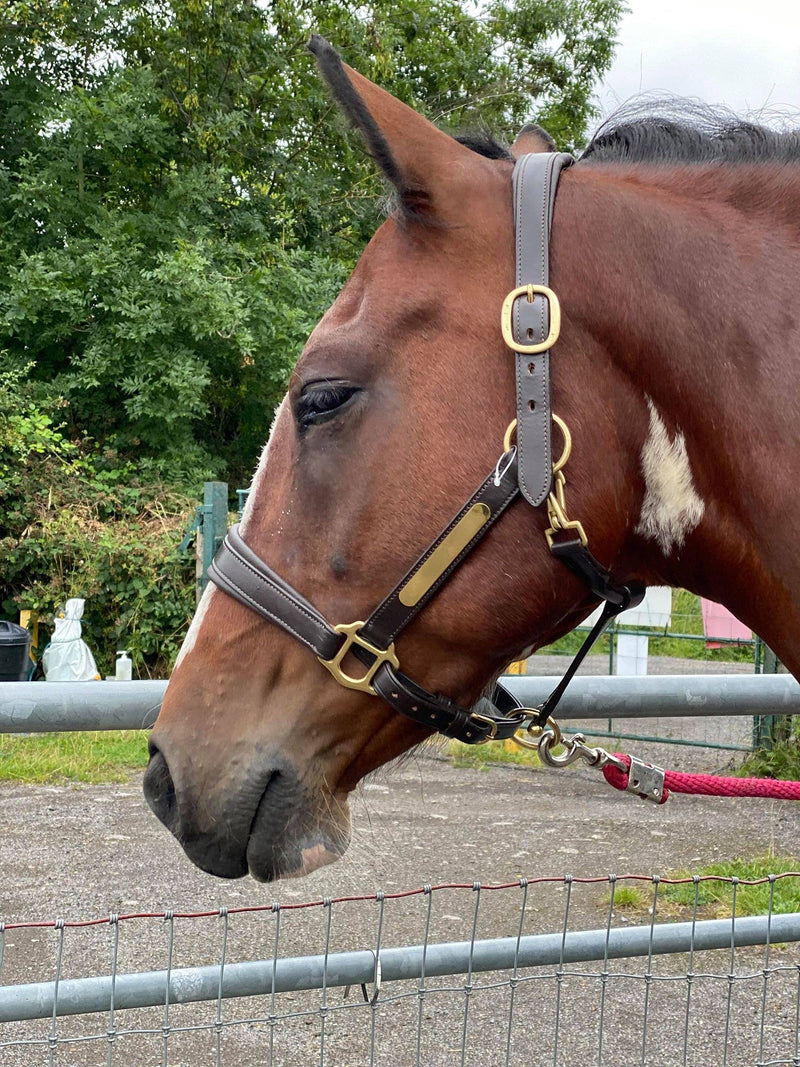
[[15, 645]]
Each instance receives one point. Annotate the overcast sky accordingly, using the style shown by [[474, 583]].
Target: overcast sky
[[742, 54]]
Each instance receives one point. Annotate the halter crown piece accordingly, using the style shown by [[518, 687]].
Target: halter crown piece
[[530, 322]]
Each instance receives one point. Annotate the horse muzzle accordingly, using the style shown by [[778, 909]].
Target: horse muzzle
[[268, 823]]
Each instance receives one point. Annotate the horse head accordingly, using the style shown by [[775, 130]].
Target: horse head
[[396, 411]]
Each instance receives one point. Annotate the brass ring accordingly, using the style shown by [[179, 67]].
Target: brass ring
[[550, 727], [567, 443], [512, 426], [507, 436]]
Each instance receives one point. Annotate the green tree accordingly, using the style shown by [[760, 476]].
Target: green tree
[[179, 200]]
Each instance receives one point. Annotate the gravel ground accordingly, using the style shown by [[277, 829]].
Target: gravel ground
[[83, 852]]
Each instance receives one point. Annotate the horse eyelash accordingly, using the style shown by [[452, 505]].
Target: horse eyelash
[[321, 401]]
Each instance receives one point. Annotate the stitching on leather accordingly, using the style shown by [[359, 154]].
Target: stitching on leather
[[265, 580], [456, 562], [389, 600], [520, 360], [258, 607]]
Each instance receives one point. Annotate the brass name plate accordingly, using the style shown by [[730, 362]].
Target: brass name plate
[[440, 559]]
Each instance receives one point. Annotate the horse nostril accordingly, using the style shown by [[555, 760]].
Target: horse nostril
[[159, 790]]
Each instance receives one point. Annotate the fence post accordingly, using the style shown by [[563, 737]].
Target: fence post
[[767, 729], [212, 525]]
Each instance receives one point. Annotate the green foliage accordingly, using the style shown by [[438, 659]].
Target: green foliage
[[480, 756], [79, 523], [630, 897], [179, 200], [781, 759]]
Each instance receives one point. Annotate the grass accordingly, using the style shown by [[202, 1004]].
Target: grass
[[781, 760], [630, 898], [98, 756], [481, 756], [715, 895]]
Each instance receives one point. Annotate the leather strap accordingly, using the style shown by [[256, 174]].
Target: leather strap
[[575, 555], [496, 493], [239, 572], [535, 181], [243, 575]]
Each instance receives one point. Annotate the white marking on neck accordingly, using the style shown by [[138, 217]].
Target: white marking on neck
[[671, 508], [199, 615], [262, 466]]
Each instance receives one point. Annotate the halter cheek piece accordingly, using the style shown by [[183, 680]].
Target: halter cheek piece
[[530, 322]]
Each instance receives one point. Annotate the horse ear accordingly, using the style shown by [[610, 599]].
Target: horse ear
[[421, 161], [532, 138]]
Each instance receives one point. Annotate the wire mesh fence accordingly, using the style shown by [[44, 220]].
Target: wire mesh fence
[[606, 970]]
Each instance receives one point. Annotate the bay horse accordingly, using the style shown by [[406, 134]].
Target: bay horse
[[675, 254]]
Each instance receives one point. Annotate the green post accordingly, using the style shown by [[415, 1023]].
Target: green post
[[211, 529], [767, 729]]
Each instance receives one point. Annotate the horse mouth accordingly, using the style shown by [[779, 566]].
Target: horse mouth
[[285, 839], [275, 826]]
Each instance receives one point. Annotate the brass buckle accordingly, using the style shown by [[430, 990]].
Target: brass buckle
[[475, 716], [529, 291], [352, 637]]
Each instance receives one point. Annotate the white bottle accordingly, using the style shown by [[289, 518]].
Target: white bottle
[[124, 667]]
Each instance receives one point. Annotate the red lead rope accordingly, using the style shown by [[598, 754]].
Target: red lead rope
[[707, 784]]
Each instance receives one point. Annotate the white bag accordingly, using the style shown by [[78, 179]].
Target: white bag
[[67, 658]]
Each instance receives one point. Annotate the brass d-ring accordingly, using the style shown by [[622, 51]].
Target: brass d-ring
[[567, 443], [530, 735], [508, 435]]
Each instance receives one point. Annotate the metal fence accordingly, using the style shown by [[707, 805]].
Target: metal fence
[[585, 972], [606, 970], [38, 707]]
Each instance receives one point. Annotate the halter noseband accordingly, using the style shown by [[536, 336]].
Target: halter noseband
[[530, 323]]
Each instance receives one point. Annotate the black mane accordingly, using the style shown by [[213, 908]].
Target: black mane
[[671, 130]]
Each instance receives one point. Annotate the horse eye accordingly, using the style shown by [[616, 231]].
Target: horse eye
[[322, 401]]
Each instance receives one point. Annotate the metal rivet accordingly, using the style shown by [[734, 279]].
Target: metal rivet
[[395, 696]]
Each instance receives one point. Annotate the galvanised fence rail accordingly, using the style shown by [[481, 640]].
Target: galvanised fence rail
[[37, 707], [607, 982]]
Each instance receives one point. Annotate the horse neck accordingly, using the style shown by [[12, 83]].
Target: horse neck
[[689, 295]]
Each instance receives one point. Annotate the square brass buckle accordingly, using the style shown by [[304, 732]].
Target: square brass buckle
[[476, 717], [352, 636], [529, 291]]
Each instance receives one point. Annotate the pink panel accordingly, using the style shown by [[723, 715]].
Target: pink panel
[[719, 622]]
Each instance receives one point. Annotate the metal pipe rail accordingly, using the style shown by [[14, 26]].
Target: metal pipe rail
[[77, 996], [41, 707]]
